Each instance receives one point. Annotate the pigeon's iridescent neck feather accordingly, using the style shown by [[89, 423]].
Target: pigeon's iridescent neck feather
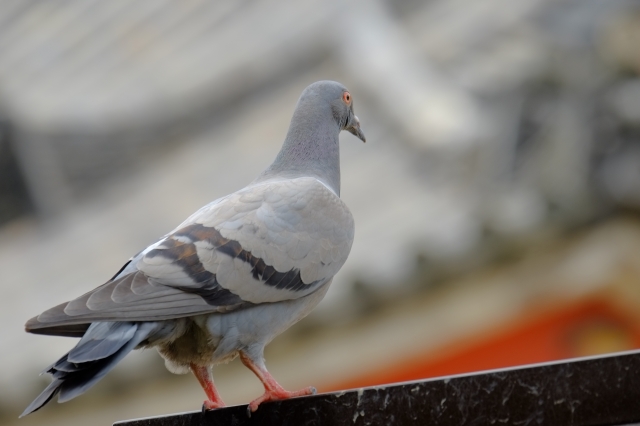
[[311, 147]]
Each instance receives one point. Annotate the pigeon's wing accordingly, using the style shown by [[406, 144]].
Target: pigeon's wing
[[269, 242], [275, 241]]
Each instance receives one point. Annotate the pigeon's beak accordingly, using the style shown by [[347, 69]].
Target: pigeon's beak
[[354, 127]]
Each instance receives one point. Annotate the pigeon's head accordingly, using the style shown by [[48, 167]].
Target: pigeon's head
[[339, 99]]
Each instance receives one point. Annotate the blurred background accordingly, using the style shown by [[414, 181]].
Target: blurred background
[[496, 201]]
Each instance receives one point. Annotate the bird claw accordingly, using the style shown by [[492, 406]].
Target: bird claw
[[278, 394], [208, 405]]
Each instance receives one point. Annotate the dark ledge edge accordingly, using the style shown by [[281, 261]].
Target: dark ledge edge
[[600, 390]]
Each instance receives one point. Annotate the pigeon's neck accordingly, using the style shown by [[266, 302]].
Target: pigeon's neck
[[311, 148]]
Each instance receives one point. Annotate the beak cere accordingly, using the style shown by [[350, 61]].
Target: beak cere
[[354, 128]]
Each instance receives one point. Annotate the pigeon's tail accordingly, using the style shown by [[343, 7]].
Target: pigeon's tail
[[100, 349]]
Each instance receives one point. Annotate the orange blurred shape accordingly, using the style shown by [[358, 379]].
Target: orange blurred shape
[[588, 327]]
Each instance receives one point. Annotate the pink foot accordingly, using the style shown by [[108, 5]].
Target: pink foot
[[212, 405], [278, 393], [272, 389]]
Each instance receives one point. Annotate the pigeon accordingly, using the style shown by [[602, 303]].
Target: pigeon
[[231, 277]]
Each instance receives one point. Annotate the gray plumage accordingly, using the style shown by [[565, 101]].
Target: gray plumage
[[106, 344], [232, 276]]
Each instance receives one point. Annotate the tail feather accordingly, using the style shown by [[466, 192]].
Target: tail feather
[[74, 378], [98, 369], [62, 365], [44, 397], [101, 340]]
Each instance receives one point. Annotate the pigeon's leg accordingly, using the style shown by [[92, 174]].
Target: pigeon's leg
[[206, 381], [272, 390]]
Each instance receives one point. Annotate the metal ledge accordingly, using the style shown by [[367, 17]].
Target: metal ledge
[[585, 391]]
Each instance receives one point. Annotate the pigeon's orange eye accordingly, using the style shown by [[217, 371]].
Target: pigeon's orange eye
[[346, 97]]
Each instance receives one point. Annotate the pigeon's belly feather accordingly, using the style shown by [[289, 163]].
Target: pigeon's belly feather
[[257, 325]]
